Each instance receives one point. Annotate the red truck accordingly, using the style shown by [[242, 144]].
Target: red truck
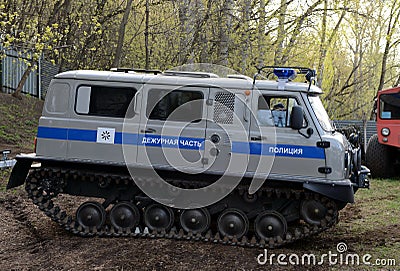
[[382, 155]]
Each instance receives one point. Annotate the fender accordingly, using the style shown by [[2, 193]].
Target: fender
[[19, 172], [343, 193]]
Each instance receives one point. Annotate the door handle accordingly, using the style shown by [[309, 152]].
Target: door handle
[[135, 108], [258, 138], [148, 131]]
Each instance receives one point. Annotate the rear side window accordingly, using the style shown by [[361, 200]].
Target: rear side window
[[104, 101], [57, 98], [178, 105]]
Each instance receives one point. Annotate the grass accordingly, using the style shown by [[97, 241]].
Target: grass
[[381, 207], [380, 204], [19, 121], [374, 226]]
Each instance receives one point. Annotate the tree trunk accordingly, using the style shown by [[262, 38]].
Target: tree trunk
[[183, 33], [393, 21], [261, 34], [203, 38], [397, 83], [245, 36], [322, 48], [66, 23], [325, 44], [146, 36], [17, 93], [281, 33], [225, 28], [121, 34]]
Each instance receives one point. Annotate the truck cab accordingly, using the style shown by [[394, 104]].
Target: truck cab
[[382, 155]]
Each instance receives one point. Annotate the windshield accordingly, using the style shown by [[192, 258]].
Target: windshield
[[390, 106], [320, 113]]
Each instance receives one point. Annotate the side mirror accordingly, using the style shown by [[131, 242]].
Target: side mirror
[[296, 117]]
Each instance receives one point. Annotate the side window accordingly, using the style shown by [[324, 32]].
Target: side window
[[275, 110], [390, 106], [57, 98], [178, 105], [104, 101]]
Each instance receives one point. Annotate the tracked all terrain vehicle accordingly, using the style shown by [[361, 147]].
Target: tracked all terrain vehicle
[[383, 150], [190, 155]]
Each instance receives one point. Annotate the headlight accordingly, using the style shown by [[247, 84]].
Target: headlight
[[385, 131]]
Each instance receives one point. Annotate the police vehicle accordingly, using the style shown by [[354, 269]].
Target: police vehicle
[[190, 155]]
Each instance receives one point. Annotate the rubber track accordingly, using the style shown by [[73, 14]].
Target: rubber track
[[37, 192]]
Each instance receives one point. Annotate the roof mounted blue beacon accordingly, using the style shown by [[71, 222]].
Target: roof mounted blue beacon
[[285, 74]]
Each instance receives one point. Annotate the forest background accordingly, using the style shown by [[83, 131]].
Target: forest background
[[353, 45]]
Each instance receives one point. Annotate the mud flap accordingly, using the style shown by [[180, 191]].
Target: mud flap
[[19, 173], [343, 193]]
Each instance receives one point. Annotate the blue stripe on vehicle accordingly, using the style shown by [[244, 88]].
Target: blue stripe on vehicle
[[82, 135], [126, 138], [52, 133], [280, 150]]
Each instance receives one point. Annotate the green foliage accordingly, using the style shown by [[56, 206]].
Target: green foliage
[[32, 38], [344, 40]]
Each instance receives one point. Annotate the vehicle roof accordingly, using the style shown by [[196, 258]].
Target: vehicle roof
[[231, 82], [390, 90]]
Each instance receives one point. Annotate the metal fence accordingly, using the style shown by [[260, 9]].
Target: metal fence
[[13, 66], [367, 128]]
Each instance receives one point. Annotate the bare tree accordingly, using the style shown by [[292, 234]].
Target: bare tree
[[281, 33], [121, 34], [326, 43], [225, 25], [391, 26], [245, 36], [146, 35], [261, 34]]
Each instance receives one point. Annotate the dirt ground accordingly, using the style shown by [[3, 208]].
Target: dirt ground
[[30, 241]]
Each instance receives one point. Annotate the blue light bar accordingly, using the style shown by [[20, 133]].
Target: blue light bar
[[283, 73]]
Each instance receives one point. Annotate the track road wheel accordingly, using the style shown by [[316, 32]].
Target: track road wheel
[[158, 217], [124, 215], [378, 158], [91, 214], [313, 211], [270, 224], [195, 220], [233, 223]]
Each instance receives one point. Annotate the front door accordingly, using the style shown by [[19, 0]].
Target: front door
[[291, 153]]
